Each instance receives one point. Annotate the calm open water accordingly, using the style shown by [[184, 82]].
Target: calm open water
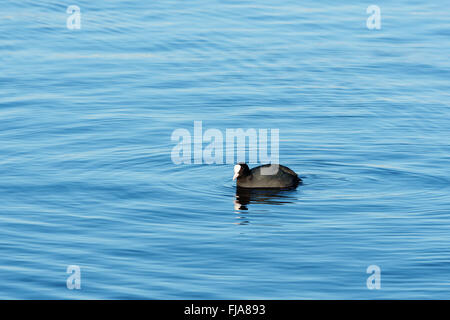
[[86, 176]]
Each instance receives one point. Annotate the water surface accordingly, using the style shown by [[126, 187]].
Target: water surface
[[87, 178]]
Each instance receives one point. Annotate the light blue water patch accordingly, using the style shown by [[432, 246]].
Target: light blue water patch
[[87, 179]]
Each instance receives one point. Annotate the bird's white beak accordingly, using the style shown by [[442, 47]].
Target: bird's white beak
[[237, 168]]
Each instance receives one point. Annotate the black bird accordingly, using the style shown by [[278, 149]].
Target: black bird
[[268, 176]]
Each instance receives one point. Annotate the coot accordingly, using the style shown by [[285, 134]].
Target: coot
[[265, 176]]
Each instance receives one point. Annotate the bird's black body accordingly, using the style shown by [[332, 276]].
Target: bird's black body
[[268, 176]]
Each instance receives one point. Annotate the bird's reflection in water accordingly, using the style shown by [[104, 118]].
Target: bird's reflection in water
[[245, 197]]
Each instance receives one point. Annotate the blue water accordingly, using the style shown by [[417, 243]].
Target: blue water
[[87, 179]]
